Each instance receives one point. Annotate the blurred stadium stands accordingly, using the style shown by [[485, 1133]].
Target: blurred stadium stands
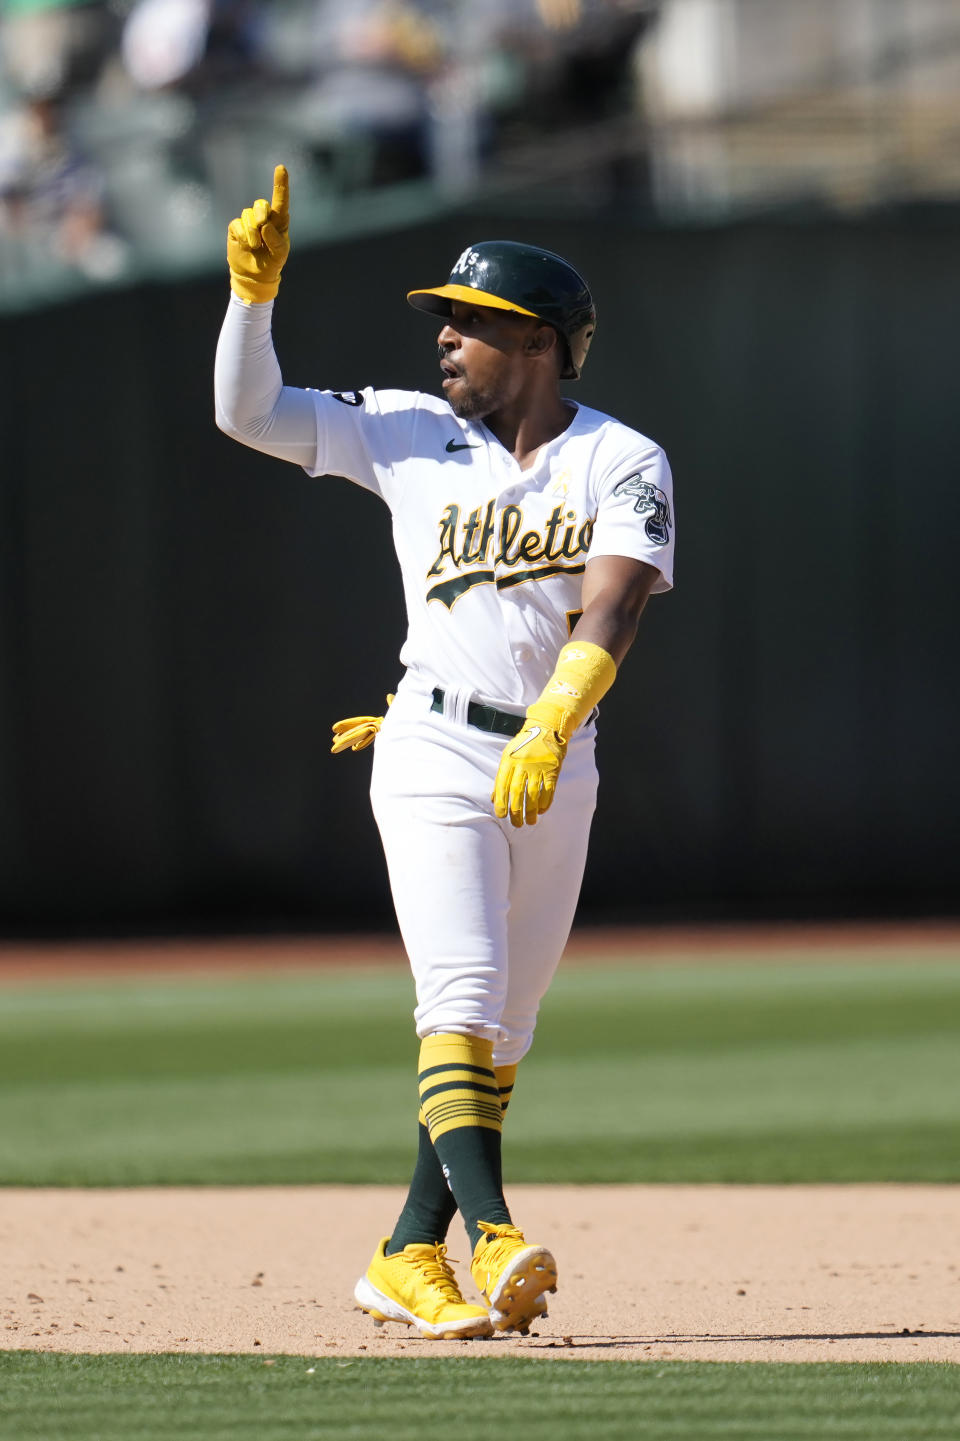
[[130, 131]]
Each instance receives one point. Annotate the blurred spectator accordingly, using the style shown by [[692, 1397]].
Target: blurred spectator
[[164, 40], [51, 201], [578, 57], [535, 71], [47, 47], [368, 104], [197, 44], [52, 215]]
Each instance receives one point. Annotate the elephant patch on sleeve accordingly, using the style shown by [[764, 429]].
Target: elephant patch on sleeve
[[649, 501]]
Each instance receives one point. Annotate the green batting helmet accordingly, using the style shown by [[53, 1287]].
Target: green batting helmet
[[510, 276]]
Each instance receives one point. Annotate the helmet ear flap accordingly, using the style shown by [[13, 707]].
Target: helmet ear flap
[[577, 347]]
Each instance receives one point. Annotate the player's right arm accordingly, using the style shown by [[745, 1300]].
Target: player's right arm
[[354, 433], [252, 403]]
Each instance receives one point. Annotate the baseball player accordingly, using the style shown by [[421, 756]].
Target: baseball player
[[530, 532]]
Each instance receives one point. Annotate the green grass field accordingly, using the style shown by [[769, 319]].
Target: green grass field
[[237, 1398], [769, 1071], [780, 1069]]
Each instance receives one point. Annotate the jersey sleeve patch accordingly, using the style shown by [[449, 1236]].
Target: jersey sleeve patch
[[649, 501], [635, 513]]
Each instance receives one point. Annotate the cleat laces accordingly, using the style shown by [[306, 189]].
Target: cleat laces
[[436, 1272]]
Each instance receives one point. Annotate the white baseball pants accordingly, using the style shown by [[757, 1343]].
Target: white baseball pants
[[484, 908]]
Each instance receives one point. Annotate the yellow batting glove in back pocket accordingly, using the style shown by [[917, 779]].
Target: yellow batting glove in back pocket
[[357, 731]]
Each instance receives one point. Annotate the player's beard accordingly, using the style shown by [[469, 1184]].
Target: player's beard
[[470, 404]]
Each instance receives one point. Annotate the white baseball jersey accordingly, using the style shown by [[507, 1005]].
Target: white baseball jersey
[[492, 559], [492, 556]]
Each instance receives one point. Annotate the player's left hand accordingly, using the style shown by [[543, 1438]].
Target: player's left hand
[[357, 731], [527, 776]]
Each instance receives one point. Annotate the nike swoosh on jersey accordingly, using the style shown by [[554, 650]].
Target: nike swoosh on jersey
[[452, 445]]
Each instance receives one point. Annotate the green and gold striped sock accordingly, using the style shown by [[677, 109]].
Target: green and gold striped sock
[[458, 1087], [506, 1079], [429, 1206], [462, 1110]]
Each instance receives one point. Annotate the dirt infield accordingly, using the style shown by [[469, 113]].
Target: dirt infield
[[728, 1273]]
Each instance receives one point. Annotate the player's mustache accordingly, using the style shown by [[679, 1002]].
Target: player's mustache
[[443, 355]]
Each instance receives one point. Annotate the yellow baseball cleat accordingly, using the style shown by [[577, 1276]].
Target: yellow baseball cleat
[[417, 1288], [512, 1277]]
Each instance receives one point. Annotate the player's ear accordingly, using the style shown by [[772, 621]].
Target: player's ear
[[541, 340]]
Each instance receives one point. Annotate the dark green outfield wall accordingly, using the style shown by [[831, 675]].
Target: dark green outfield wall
[[182, 619]]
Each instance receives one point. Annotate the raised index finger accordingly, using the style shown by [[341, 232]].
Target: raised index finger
[[280, 204]]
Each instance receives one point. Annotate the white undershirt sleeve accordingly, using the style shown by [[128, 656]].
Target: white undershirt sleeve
[[252, 403]]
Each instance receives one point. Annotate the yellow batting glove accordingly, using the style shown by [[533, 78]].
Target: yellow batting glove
[[356, 732], [527, 776], [258, 243], [530, 764]]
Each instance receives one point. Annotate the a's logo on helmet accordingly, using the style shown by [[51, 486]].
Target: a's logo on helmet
[[649, 501], [467, 261]]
